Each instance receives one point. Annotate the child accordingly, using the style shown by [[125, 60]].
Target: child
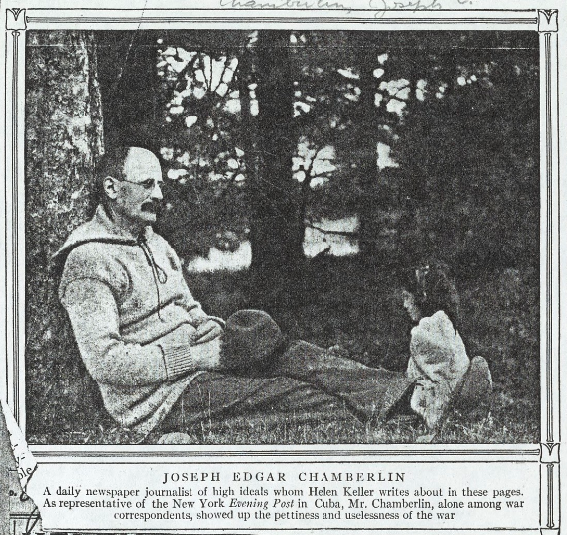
[[438, 360]]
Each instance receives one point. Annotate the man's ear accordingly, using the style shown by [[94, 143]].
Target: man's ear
[[110, 187]]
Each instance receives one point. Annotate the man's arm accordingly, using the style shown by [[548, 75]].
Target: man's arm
[[93, 313]]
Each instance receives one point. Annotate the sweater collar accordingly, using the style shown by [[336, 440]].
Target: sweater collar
[[100, 229], [103, 220]]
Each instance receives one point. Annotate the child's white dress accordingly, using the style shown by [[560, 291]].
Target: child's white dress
[[438, 361]]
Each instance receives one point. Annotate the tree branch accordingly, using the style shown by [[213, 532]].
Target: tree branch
[[309, 168], [333, 232]]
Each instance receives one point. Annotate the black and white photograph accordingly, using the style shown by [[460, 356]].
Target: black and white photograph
[[282, 236], [282, 265]]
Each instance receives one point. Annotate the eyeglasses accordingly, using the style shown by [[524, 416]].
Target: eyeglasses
[[149, 184]]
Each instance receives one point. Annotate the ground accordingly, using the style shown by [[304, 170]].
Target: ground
[[358, 311]]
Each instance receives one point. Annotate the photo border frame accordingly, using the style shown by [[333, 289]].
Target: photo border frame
[[546, 22]]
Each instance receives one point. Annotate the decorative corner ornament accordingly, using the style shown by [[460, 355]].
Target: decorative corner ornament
[[16, 19], [547, 20], [549, 453]]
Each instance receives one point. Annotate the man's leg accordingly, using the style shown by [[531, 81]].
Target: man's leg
[[306, 382], [369, 392], [217, 397]]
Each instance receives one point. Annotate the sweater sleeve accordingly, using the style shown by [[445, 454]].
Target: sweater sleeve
[[93, 312]]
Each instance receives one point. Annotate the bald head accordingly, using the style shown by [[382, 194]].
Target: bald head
[[113, 162], [139, 161]]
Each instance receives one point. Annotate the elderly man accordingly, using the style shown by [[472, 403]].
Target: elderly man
[[156, 356]]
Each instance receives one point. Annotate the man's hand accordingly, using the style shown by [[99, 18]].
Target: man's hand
[[207, 331]]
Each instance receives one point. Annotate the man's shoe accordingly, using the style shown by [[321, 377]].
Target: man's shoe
[[175, 438]]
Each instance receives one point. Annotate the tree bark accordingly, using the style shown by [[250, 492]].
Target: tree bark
[[63, 140], [276, 247], [127, 71], [369, 202]]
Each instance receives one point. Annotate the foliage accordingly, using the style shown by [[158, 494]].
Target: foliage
[[424, 105], [202, 145], [470, 174]]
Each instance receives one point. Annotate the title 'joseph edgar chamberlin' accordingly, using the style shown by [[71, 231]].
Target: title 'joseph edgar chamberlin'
[[281, 476]]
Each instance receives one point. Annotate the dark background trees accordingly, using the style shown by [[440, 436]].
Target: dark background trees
[[321, 164]]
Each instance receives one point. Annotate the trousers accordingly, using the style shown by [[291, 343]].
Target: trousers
[[305, 380]]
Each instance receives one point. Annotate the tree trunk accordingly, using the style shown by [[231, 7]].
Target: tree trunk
[[249, 123], [63, 141], [369, 203], [127, 71], [276, 247]]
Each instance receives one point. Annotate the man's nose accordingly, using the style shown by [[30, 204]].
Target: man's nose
[[157, 193]]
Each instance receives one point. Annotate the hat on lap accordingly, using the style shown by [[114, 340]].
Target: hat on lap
[[250, 342]]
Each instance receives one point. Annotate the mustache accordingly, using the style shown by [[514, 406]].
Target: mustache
[[151, 206]]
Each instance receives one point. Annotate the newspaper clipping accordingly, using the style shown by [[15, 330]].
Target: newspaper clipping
[[282, 265]]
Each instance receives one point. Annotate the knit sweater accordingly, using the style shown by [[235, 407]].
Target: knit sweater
[[134, 318]]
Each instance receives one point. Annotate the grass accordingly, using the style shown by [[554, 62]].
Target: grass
[[358, 311], [498, 426]]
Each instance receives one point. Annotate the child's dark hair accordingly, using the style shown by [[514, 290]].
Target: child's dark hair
[[435, 290]]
